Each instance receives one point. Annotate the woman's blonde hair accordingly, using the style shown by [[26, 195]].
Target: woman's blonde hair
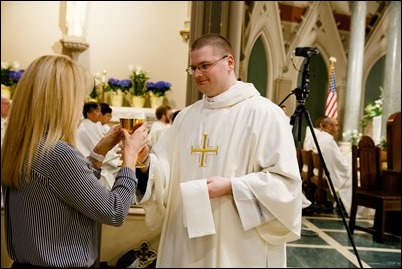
[[46, 105]]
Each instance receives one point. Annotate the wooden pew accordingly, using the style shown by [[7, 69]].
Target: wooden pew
[[392, 175]]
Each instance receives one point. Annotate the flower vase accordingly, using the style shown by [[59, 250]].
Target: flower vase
[[5, 91], [137, 101], [90, 99], [346, 149], [116, 99], [373, 129], [156, 101], [377, 129], [384, 164]]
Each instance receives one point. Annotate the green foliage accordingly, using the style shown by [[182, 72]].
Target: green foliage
[[138, 78], [372, 110]]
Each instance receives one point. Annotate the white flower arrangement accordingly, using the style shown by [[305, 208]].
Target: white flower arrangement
[[10, 73], [353, 136], [372, 110]]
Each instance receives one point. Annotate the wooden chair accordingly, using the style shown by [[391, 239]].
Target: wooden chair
[[299, 158], [368, 189], [318, 179], [394, 141], [307, 164], [393, 181], [306, 173]]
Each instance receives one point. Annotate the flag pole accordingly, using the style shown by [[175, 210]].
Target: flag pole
[[331, 103]]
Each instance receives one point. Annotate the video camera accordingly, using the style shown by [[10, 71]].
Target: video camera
[[306, 52]]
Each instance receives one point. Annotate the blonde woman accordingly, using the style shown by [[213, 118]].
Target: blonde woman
[[53, 199]]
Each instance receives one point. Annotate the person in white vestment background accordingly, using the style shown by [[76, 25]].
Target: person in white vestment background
[[89, 133], [223, 182], [106, 116], [308, 143], [339, 167], [174, 115], [163, 115]]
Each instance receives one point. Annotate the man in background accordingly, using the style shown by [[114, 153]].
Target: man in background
[[338, 166], [106, 111], [163, 115], [88, 135], [308, 143]]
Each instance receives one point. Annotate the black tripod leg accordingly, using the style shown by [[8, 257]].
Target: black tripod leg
[[338, 204], [296, 121]]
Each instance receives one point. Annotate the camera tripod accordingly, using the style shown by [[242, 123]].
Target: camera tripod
[[296, 121]]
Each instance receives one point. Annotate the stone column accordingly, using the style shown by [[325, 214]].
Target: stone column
[[355, 66], [196, 30], [235, 30], [392, 77]]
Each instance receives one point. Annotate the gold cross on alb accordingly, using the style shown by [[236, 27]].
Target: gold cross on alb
[[204, 150]]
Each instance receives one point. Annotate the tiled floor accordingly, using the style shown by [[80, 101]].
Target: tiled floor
[[325, 244]]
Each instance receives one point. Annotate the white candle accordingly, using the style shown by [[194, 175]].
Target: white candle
[[104, 76]]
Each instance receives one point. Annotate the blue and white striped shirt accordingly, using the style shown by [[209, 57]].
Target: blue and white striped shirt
[[52, 221]]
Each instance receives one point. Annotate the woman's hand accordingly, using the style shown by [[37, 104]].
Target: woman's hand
[[111, 139], [133, 144], [143, 155]]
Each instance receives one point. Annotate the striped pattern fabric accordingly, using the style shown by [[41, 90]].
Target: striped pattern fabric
[[53, 220], [331, 104]]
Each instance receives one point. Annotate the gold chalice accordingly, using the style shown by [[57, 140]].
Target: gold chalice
[[131, 124]]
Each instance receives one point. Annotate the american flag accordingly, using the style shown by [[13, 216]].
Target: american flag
[[331, 104]]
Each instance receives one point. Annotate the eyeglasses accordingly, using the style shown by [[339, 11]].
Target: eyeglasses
[[203, 67]]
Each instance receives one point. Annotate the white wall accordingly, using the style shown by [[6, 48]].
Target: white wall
[[119, 33]]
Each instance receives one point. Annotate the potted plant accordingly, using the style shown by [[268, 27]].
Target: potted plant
[[117, 88], [93, 95], [10, 75], [158, 88], [372, 118], [157, 91], [125, 85], [138, 79]]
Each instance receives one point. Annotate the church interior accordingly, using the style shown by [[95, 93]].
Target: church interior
[[113, 38]]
